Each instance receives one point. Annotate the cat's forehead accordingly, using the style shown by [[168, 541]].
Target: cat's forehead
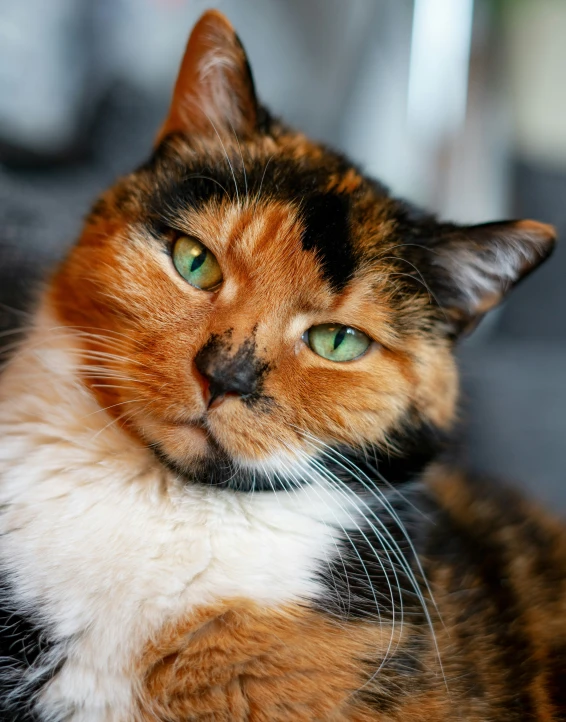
[[275, 199]]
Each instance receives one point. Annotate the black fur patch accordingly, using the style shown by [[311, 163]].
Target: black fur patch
[[556, 679], [374, 574], [416, 445], [327, 233], [23, 643]]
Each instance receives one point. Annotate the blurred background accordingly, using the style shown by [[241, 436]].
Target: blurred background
[[459, 105]]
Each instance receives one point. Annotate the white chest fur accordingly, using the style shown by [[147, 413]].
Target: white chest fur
[[108, 545]]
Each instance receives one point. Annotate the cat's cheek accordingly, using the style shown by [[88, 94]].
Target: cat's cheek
[[435, 386]]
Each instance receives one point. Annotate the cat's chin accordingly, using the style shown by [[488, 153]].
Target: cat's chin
[[195, 456], [217, 468]]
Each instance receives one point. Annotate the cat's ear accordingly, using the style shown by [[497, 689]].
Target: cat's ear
[[214, 93], [471, 268]]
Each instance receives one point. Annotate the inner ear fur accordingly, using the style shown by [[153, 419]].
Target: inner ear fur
[[470, 269], [214, 93]]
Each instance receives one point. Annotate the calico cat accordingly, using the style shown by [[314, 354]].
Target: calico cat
[[222, 487]]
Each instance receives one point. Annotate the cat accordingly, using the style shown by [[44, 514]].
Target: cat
[[223, 486]]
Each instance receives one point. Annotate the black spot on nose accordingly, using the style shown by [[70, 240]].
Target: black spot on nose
[[241, 373]]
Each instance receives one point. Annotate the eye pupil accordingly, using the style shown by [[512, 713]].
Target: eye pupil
[[198, 261], [340, 337]]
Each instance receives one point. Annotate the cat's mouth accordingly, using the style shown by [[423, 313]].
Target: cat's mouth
[[195, 454], [216, 467]]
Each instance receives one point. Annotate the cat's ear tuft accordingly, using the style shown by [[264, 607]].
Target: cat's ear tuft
[[471, 268], [214, 93]]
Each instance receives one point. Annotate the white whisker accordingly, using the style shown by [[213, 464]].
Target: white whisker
[[351, 469], [227, 156]]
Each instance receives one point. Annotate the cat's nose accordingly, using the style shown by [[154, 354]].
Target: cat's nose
[[224, 375]]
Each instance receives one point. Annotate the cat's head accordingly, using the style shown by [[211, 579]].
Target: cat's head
[[248, 300]]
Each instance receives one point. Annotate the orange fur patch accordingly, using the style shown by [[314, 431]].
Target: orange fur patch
[[239, 662]]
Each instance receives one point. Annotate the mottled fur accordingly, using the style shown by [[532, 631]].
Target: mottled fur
[[202, 519]]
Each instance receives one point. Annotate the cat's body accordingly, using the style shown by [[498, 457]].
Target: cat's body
[[204, 513]]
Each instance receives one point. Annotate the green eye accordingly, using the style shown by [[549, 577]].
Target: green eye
[[196, 263], [337, 343]]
